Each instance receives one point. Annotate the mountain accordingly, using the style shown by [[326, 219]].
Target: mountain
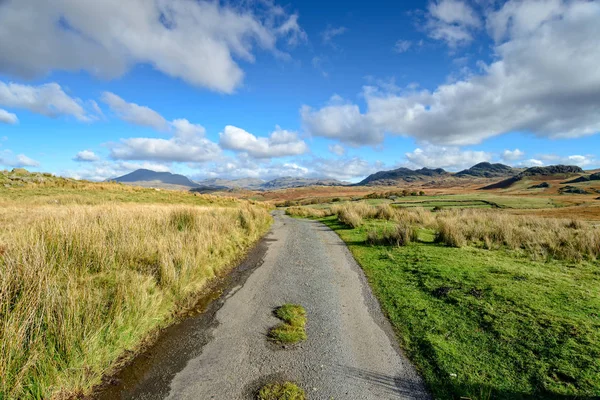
[[148, 178], [289, 182], [245, 183], [487, 170], [395, 176], [555, 171]]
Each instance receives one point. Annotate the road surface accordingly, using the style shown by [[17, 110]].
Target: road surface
[[350, 352]]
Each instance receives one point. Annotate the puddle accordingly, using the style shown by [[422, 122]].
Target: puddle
[[148, 375]]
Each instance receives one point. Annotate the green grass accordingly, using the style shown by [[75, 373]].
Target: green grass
[[292, 330], [281, 391], [487, 324], [520, 202]]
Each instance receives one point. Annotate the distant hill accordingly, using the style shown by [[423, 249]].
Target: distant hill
[[487, 170], [258, 184], [556, 171], [246, 183], [148, 178], [395, 176], [289, 182]]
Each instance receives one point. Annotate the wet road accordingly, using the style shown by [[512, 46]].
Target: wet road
[[223, 353]]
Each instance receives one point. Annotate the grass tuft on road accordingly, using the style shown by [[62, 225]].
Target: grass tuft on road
[[281, 391], [292, 330]]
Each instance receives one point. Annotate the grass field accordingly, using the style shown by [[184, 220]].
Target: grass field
[[498, 323], [88, 272]]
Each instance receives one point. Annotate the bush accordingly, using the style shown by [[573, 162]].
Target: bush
[[398, 235]]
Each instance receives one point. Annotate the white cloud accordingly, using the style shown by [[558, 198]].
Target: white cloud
[[187, 143], [349, 169], [8, 118], [280, 143], [86, 156], [522, 18], [244, 166], [330, 33], [20, 160], [48, 99], [452, 21], [134, 113], [176, 149], [450, 158], [341, 121], [337, 149], [512, 155], [576, 159], [197, 41], [532, 162], [545, 82], [402, 46], [103, 170]]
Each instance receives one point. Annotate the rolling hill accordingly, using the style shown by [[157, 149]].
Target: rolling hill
[[488, 170], [148, 178], [553, 171], [402, 175]]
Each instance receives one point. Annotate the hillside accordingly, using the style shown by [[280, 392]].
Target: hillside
[[291, 182], [552, 171], [148, 178], [245, 183], [487, 170], [393, 177]]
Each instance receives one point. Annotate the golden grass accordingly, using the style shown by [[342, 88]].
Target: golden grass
[[80, 285], [540, 238]]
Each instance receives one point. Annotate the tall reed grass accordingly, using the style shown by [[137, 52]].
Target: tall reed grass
[[80, 285], [538, 237]]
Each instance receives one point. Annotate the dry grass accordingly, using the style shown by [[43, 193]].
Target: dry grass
[[397, 235], [540, 238], [79, 285]]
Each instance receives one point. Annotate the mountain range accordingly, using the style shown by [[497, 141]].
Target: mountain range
[[167, 180], [484, 172]]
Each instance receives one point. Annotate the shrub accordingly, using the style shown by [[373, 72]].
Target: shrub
[[450, 234], [398, 235], [350, 217]]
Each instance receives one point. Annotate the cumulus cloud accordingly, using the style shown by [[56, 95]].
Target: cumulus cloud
[[402, 46], [175, 149], [576, 159], [86, 156], [512, 155], [545, 81], [197, 41], [280, 143], [348, 169], [452, 21], [337, 149], [450, 158], [8, 118], [243, 166], [134, 113], [341, 121], [19, 161], [48, 99]]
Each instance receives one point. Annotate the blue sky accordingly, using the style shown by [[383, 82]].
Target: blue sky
[[265, 89]]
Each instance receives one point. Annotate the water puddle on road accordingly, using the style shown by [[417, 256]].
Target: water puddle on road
[[149, 374]]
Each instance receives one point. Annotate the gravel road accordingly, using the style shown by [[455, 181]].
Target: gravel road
[[350, 352]]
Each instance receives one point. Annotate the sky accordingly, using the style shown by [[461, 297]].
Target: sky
[[265, 88]]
